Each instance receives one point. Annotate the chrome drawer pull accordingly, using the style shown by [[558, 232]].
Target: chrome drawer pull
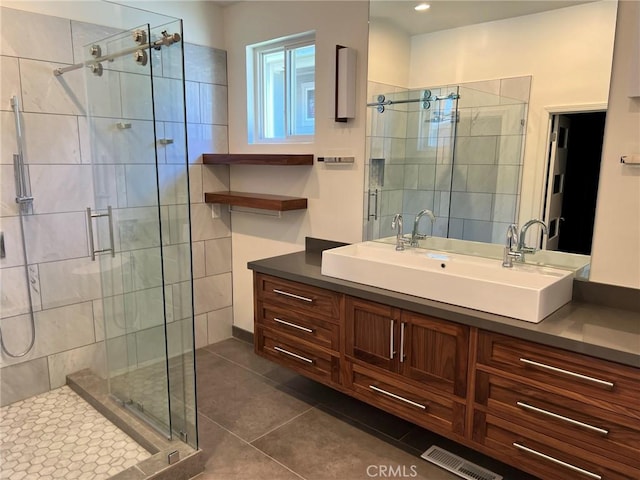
[[567, 372], [558, 462], [391, 341], [292, 295], [294, 355], [397, 397], [563, 418], [289, 324], [402, 342]]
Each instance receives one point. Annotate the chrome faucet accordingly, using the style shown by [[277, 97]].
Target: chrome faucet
[[522, 247], [515, 246], [397, 224], [511, 247], [415, 236]]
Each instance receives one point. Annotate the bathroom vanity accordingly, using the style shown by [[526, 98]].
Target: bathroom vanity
[[558, 399]]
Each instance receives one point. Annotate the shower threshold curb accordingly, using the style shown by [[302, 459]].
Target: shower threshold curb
[[93, 390]]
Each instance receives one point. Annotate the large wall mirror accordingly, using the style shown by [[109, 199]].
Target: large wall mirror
[[488, 113]]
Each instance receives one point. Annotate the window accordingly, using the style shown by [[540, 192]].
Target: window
[[281, 90]]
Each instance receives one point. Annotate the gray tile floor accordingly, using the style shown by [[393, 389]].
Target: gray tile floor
[[258, 420]]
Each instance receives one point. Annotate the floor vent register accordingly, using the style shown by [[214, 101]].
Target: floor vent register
[[458, 465]]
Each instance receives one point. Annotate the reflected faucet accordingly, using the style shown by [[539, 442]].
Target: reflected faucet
[[522, 247], [415, 236], [511, 247], [396, 223], [515, 246]]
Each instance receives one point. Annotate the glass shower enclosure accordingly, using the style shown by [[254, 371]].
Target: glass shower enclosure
[[139, 224]]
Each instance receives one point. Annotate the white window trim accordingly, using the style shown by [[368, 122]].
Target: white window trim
[[255, 102]]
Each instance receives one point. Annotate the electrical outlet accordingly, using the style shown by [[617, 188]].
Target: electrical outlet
[[216, 210]]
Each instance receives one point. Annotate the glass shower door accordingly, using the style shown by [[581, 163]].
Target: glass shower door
[[126, 227], [174, 199]]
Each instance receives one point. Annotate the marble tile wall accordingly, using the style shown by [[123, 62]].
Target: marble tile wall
[[488, 157], [75, 163], [474, 196]]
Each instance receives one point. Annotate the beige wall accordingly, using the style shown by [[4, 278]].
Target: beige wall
[[616, 242], [334, 193]]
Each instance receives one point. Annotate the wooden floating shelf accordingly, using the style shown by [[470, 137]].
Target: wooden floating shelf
[[278, 203], [256, 159]]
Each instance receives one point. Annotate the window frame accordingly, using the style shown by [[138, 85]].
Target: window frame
[[256, 101]]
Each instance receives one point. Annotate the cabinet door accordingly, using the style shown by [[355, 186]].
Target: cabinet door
[[434, 352], [371, 333]]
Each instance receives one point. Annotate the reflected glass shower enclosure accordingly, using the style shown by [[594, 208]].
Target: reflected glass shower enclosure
[[455, 150]]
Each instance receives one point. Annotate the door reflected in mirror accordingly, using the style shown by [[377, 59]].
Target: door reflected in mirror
[[486, 159]]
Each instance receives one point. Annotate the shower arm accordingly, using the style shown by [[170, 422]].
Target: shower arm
[[166, 41]]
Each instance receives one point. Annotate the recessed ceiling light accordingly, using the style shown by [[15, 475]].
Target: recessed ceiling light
[[422, 7]]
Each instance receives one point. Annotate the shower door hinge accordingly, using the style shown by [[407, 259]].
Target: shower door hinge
[[173, 457]]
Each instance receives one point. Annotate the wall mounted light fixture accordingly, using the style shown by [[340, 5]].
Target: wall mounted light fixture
[[345, 83]]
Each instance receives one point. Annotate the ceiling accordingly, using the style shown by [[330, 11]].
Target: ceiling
[[446, 14]]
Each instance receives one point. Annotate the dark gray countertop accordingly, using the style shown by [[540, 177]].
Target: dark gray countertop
[[601, 331]]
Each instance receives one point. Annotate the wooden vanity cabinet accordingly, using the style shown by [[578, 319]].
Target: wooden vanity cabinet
[[298, 326], [431, 352], [412, 365], [554, 413]]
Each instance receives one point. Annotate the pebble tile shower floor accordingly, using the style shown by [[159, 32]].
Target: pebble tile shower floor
[[59, 435]]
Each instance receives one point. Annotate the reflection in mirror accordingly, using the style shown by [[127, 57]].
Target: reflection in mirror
[[481, 161]]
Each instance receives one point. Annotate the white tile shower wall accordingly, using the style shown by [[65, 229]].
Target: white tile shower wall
[[67, 289]]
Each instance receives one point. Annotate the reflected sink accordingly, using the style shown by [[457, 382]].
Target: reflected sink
[[525, 292]]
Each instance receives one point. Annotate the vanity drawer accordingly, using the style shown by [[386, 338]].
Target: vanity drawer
[[605, 384], [585, 426], [545, 456], [438, 413], [304, 327], [299, 296], [311, 362]]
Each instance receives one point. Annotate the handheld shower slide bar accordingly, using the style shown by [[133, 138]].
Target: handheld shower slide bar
[[23, 185], [25, 202], [426, 100], [139, 51]]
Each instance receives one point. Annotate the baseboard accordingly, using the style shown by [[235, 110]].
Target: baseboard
[[240, 334]]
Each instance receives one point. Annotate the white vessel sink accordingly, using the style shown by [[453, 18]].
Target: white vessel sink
[[525, 292]]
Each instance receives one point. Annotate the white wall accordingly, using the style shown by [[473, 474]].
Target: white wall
[[334, 193], [392, 47], [567, 51], [616, 242]]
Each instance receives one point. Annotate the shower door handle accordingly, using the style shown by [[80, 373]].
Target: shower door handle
[[375, 207], [92, 248]]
